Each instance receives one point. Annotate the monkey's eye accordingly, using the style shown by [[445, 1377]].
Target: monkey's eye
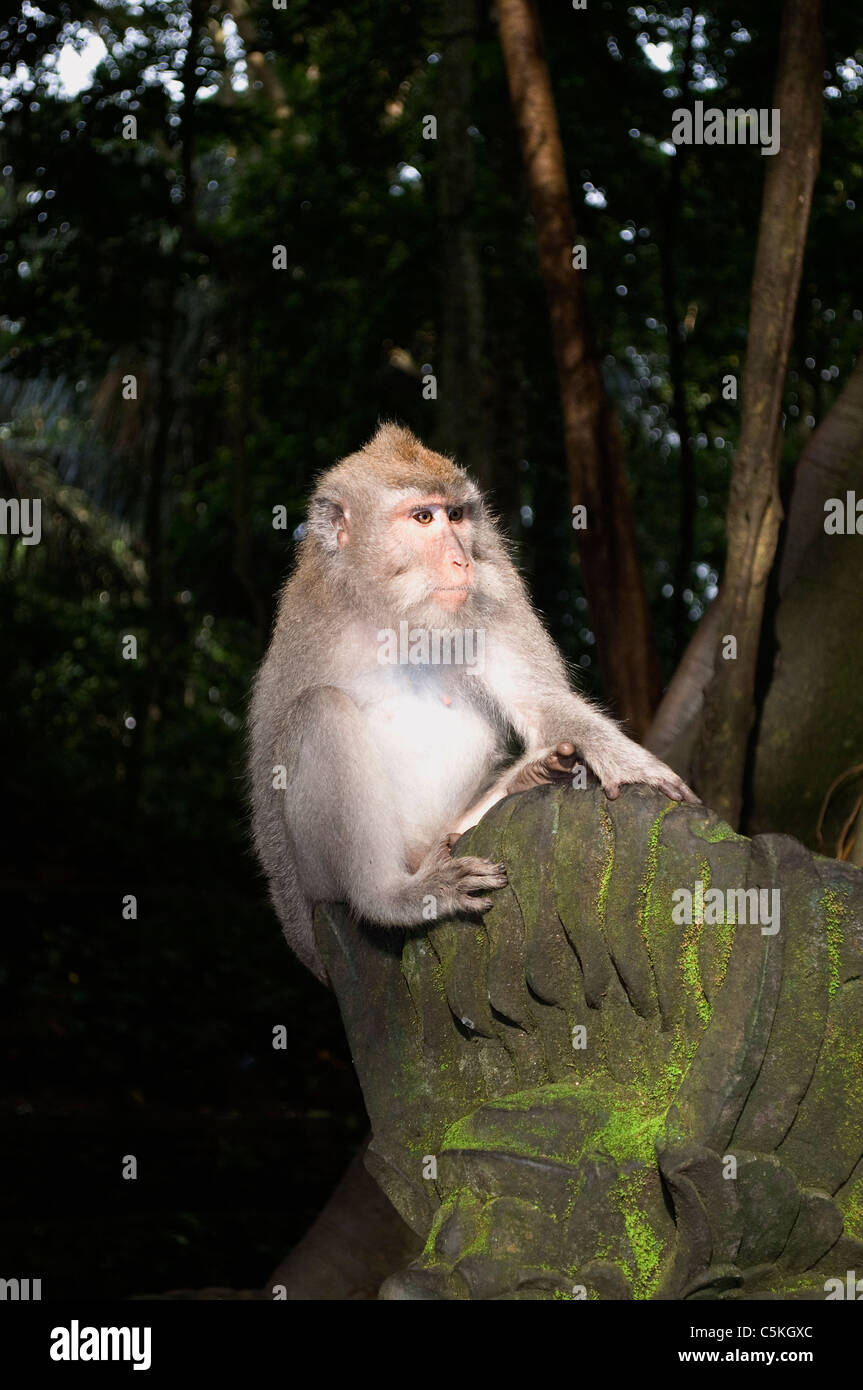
[[456, 513], [424, 517]]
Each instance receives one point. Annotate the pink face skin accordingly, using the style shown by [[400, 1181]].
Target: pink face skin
[[438, 532]]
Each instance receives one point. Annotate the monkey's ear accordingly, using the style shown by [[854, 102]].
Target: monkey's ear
[[329, 523]]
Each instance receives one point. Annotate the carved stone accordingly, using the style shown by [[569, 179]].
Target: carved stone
[[580, 1097]]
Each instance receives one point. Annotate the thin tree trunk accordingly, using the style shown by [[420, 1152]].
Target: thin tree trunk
[[462, 423], [677, 370], [594, 450], [824, 469], [822, 472], [754, 510], [674, 730], [356, 1241], [813, 699], [188, 118]]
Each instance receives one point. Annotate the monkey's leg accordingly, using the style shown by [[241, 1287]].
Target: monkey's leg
[[349, 835], [554, 766]]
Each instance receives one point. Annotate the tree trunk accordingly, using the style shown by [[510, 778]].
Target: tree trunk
[[609, 557], [669, 252], [830, 465], [462, 427], [754, 510], [832, 462], [672, 735], [356, 1242], [811, 728]]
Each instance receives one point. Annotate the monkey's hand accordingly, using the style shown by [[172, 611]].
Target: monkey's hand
[[453, 882], [624, 764], [555, 765], [631, 763]]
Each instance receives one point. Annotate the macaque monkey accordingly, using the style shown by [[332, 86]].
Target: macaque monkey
[[406, 660]]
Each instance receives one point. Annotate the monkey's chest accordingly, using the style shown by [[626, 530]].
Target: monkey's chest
[[435, 745]]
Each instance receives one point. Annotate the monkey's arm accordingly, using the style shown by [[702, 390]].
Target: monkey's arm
[[528, 680]]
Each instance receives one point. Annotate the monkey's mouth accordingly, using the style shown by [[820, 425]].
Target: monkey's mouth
[[452, 593]]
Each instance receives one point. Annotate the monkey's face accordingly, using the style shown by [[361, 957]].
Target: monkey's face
[[428, 561], [399, 532]]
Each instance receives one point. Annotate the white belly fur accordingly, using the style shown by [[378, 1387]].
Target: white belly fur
[[436, 746]]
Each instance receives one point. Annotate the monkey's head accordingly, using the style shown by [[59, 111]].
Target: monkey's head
[[403, 532]]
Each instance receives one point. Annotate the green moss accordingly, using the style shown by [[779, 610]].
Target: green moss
[[430, 1256], [537, 1095], [648, 878], [605, 880], [439, 977], [630, 1133], [624, 1128], [626, 1134], [852, 1209], [471, 1210], [463, 1135], [482, 1217], [705, 873], [833, 908], [725, 936], [691, 970], [840, 1071], [689, 963], [653, 840], [714, 831], [646, 1246], [787, 1286]]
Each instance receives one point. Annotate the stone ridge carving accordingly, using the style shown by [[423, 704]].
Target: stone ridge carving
[[582, 1097]]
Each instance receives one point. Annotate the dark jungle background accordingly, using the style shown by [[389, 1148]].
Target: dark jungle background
[[302, 127]]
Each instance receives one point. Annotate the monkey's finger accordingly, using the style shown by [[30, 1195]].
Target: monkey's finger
[[473, 864], [474, 873], [671, 789], [562, 760], [612, 790], [678, 791], [482, 882]]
